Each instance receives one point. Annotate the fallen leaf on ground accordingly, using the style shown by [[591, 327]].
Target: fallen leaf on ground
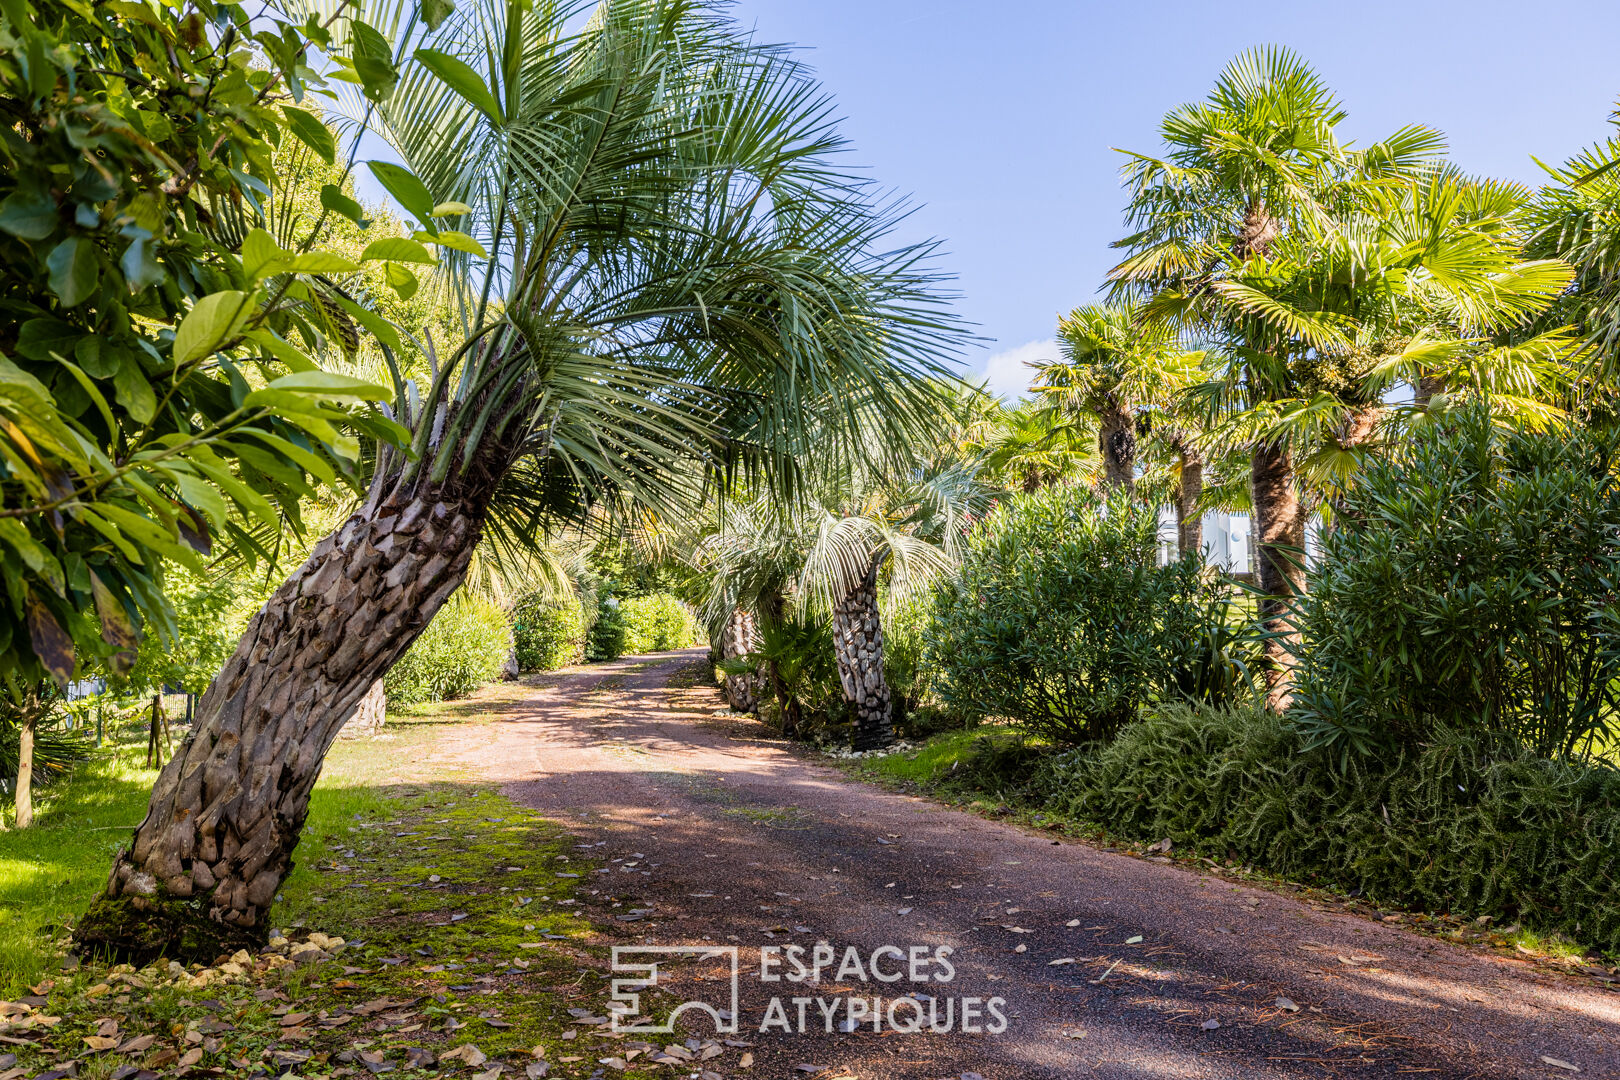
[[1210, 1025], [1286, 1004], [1558, 1063]]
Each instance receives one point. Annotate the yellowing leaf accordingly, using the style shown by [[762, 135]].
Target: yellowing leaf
[[397, 249]]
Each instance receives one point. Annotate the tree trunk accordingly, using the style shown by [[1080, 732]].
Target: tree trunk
[[205, 864], [739, 638], [1189, 522], [369, 715], [27, 724], [858, 642], [1279, 528], [1116, 438]]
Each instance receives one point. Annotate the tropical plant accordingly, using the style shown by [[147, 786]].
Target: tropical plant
[[547, 633], [796, 656], [1116, 368], [1320, 275], [464, 647], [156, 400], [1033, 445], [1061, 618], [1470, 585]]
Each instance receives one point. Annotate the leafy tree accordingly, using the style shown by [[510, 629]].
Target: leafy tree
[[677, 274], [153, 402]]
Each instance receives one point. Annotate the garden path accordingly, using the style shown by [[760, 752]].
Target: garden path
[[710, 830]]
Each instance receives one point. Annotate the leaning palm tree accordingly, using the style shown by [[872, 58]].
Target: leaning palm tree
[[662, 273]]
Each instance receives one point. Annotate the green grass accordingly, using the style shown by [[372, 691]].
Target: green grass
[[936, 761], [50, 872]]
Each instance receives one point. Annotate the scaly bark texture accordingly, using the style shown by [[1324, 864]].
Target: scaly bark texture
[[1189, 522], [225, 815], [1279, 532], [858, 643], [369, 715], [1116, 438], [741, 637]]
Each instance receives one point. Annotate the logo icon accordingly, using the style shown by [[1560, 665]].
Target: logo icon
[[648, 963]]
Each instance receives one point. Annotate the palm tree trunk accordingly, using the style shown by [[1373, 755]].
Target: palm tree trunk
[[858, 643], [1279, 521], [1189, 522], [741, 637], [217, 841], [1116, 438]]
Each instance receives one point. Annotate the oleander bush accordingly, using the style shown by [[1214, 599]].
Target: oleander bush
[[658, 623], [1470, 583], [548, 634], [465, 646], [608, 633], [1061, 618], [1465, 821]]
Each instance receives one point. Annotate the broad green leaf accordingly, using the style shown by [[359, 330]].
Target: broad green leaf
[[37, 339], [373, 61], [244, 496], [435, 12], [400, 279], [380, 328], [328, 384], [205, 497], [74, 270], [460, 77], [460, 241], [317, 262], [30, 215], [110, 531], [259, 250], [397, 249], [216, 319], [333, 199], [133, 392], [403, 185], [451, 209], [310, 462], [289, 354], [34, 554], [312, 132]]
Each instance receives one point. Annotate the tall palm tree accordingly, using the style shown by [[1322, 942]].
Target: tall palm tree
[[1256, 163], [679, 279], [1115, 367]]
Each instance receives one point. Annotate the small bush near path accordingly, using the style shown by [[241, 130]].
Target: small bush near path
[[1062, 619], [465, 646], [548, 634]]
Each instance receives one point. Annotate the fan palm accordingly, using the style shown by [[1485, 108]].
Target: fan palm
[[678, 279], [1115, 367]]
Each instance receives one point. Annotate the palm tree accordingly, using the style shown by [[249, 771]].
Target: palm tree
[[1255, 164], [679, 280], [1035, 445], [1115, 367]]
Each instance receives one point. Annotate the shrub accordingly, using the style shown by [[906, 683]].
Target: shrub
[[547, 634], [657, 623], [1061, 618], [917, 708], [802, 687], [1471, 584], [1455, 825], [607, 634], [465, 646]]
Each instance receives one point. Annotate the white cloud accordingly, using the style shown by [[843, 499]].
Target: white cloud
[[1006, 373]]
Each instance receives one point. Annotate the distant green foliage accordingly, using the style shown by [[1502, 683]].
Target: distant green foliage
[[1471, 584], [205, 634], [1455, 825], [548, 634], [465, 646], [1061, 618], [607, 635], [657, 623], [910, 675]]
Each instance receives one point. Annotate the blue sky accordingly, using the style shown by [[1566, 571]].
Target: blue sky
[[999, 118]]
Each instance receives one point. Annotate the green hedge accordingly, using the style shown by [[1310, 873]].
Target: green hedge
[[657, 623], [465, 646], [547, 635], [1448, 827]]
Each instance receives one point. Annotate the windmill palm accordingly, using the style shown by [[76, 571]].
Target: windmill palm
[[1115, 367], [679, 279], [1256, 164]]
